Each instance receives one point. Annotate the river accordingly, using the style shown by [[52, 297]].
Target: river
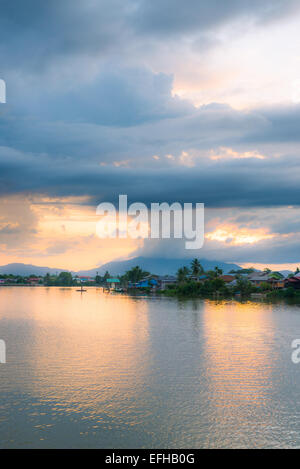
[[96, 370]]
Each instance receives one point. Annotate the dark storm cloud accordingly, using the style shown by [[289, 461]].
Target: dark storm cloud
[[35, 33], [282, 125], [55, 138], [277, 250], [175, 16], [116, 97], [169, 124], [217, 184], [82, 100], [53, 157]]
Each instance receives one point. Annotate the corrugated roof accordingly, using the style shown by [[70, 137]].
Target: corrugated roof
[[227, 278], [259, 278]]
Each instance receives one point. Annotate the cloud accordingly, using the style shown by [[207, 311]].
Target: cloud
[[223, 184], [173, 17], [39, 33], [58, 158], [240, 236], [115, 97], [92, 112], [18, 223]]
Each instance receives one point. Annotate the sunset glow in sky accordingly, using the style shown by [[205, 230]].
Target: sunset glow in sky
[[166, 101]]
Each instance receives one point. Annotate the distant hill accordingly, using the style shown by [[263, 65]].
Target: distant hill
[[27, 269], [286, 273], [159, 266]]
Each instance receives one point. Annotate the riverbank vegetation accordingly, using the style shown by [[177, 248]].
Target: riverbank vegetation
[[194, 282], [191, 281]]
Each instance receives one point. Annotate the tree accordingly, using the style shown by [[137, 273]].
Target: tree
[[98, 279], [182, 274], [243, 286], [47, 279], [215, 273], [242, 271], [65, 279], [197, 268], [106, 276], [218, 271], [135, 274], [265, 286]]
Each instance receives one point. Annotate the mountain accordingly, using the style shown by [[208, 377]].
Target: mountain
[[157, 266], [286, 273], [27, 269]]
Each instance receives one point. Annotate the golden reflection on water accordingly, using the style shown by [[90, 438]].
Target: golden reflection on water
[[97, 370], [90, 353], [239, 357], [238, 342]]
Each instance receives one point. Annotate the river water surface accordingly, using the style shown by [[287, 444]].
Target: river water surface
[[97, 370]]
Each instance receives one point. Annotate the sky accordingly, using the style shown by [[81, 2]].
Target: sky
[[166, 101]]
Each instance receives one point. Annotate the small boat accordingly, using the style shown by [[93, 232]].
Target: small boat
[[82, 289]]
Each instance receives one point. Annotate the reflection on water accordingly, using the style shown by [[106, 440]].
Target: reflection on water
[[98, 370]]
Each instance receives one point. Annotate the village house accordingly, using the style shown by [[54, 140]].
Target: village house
[[165, 281], [144, 283], [227, 278], [201, 278], [275, 279], [33, 280], [84, 279], [111, 283], [293, 281]]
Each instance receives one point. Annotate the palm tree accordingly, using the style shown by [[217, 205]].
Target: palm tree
[[136, 274], [197, 268], [182, 274], [218, 271], [106, 276]]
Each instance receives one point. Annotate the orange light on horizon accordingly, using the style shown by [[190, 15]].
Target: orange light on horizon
[[232, 235]]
